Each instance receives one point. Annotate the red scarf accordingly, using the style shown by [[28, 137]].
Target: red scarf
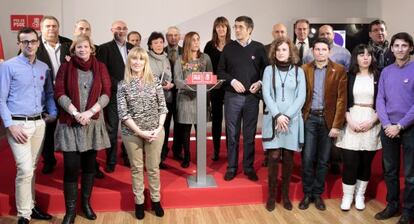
[[67, 84]]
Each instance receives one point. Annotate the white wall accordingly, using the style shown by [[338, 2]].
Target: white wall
[[396, 13], [147, 16]]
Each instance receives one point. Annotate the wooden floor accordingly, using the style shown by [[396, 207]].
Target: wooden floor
[[249, 214]]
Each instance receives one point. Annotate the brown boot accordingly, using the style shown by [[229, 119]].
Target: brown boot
[[265, 159], [273, 157], [287, 167]]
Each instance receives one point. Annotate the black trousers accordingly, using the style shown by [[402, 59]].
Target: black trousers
[[167, 124], [75, 161], [240, 109], [391, 162], [217, 102], [183, 137], [48, 151], [112, 124], [357, 165]]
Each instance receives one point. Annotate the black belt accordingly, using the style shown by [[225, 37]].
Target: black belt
[[318, 113], [28, 118]]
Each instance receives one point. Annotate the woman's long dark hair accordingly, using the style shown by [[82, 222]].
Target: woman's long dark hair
[[354, 67], [220, 21]]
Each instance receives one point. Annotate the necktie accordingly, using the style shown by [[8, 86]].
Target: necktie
[[301, 48], [173, 56]]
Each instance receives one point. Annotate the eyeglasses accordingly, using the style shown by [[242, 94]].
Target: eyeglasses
[[27, 42]]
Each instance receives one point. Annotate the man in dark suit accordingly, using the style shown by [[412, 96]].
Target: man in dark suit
[[53, 50], [279, 30], [114, 55], [173, 51]]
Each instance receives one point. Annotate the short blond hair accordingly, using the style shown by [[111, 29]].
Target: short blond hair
[[80, 38]]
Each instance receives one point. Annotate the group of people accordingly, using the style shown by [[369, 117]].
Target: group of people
[[71, 95]]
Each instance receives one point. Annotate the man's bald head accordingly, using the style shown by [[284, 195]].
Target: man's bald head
[[279, 30], [326, 31]]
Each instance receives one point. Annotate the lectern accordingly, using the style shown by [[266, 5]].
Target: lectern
[[203, 82]]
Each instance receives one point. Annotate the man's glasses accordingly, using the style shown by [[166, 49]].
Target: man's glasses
[[27, 42], [121, 29]]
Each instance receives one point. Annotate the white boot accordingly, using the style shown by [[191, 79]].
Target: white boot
[[360, 188], [348, 196]]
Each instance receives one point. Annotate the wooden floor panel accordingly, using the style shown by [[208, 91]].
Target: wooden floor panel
[[245, 214]]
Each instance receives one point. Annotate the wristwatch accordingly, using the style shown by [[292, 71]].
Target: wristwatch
[[400, 127], [74, 113], [93, 110]]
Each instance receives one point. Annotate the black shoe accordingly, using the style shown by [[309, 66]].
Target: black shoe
[[163, 166], [229, 176], [39, 214], [319, 204], [23, 221], [48, 168], [110, 168], [335, 169], [99, 174], [387, 213], [304, 204], [139, 211], [185, 164], [405, 219], [270, 204], [159, 211], [251, 175]]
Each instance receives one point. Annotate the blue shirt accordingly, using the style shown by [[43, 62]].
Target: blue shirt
[[25, 89], [337, 54], [318, 89]]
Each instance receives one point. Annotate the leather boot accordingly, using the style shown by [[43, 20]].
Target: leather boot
[[360, 189], [265, 159], [216, 153], [348, 196], [287, 167], [186, 161], [70, 191], [86, 189], [272, 179]]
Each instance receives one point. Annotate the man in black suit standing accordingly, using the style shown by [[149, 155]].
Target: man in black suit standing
[[53, 50], [114, 55]]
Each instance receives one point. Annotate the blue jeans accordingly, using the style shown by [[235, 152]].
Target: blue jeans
[[391, 163], [316, 152]]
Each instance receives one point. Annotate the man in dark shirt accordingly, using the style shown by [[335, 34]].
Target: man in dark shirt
[[241, 66], [114, 55], [53, 50], [378, 42]]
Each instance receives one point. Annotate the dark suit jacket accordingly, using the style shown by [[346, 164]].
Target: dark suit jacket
[[335, 95], [351, 82], [108, 53], [180, 52], [42, 54]]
